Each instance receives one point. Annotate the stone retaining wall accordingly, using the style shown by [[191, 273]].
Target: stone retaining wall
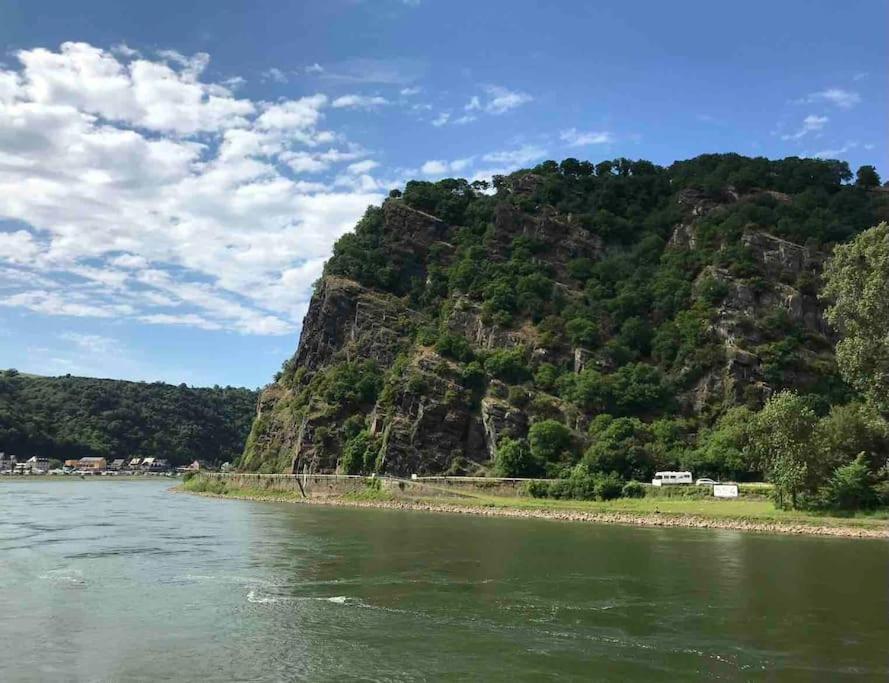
[[328, 485]]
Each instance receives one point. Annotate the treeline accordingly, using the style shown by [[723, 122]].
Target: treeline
[[71, 417]]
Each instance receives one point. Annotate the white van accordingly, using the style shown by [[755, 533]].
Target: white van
[[669, 478]]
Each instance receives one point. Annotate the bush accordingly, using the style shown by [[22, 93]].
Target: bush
[[850, 487], [518, 397], [549, 439], [454, 346], [546, 375], [624, 447], [633, 489], [579, 486], [608, 486], [359, 454], [508, 365], [514, 459], [582, 332]]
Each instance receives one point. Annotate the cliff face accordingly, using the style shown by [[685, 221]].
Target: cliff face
[[432, 338]]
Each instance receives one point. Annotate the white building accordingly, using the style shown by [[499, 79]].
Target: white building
[[37, 464]]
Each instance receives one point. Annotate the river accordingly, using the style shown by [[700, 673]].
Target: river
[[112, 581]]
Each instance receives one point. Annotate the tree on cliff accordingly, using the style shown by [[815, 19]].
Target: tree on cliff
[[857, 282], [867, 177]]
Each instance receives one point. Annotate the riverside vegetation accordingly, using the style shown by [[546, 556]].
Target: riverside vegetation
[[66, 417], [596, 323]]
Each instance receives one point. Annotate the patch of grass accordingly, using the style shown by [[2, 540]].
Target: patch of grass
[[205, 485]]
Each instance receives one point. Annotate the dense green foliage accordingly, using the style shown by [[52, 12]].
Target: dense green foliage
[[857, 284], [72, 417]]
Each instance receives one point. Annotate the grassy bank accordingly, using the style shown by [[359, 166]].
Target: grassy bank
[[748, 515]]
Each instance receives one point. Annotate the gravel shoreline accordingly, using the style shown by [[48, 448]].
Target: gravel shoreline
[[625, 518]]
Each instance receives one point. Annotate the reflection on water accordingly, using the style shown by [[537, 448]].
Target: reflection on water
[[125, 581]]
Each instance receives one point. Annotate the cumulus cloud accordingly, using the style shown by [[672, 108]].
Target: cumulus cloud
[[577, 138], [136, 189]]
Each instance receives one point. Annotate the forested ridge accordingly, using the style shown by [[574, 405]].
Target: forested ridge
[[72, 417], [592, 323]]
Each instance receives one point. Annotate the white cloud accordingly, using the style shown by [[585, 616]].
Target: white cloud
[[18, 247], [292, 114], [810, 124], [93, 343], [361, 167], [142, 93], [437, 167], [845, 99], [576, 138], [144, 192], [434, 167], [407, 92], [497, 100], [315, 68], [501, 100], [274, 74], [359, 102], [129, 261], [400, 72], [835, 153], [516, 157]]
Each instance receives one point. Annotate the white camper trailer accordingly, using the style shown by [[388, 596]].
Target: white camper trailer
[[670, 478]]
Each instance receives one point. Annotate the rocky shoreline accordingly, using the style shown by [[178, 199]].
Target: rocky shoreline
[[625, 518]]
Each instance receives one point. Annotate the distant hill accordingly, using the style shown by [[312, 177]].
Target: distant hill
[[68, 417], [568, 307]]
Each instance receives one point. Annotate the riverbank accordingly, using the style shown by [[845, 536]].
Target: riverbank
[[741, 515]]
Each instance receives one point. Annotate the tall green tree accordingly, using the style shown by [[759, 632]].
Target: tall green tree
[[780, 443], [857, 287], [867, 177]]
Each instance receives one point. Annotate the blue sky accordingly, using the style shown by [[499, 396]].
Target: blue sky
[[173, 175]]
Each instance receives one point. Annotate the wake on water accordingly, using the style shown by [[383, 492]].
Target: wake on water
[[258, 599]]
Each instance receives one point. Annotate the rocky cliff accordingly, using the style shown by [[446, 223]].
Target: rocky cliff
[[458, 315]]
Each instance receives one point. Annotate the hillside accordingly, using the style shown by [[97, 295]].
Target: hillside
[[620, 314], [72, 417]]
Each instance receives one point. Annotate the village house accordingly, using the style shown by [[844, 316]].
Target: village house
[[155, 465], [71, 464], [117, 464], [92, 464], [135, 463]]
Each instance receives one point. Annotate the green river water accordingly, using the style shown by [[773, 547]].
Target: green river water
[[118, 581]]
